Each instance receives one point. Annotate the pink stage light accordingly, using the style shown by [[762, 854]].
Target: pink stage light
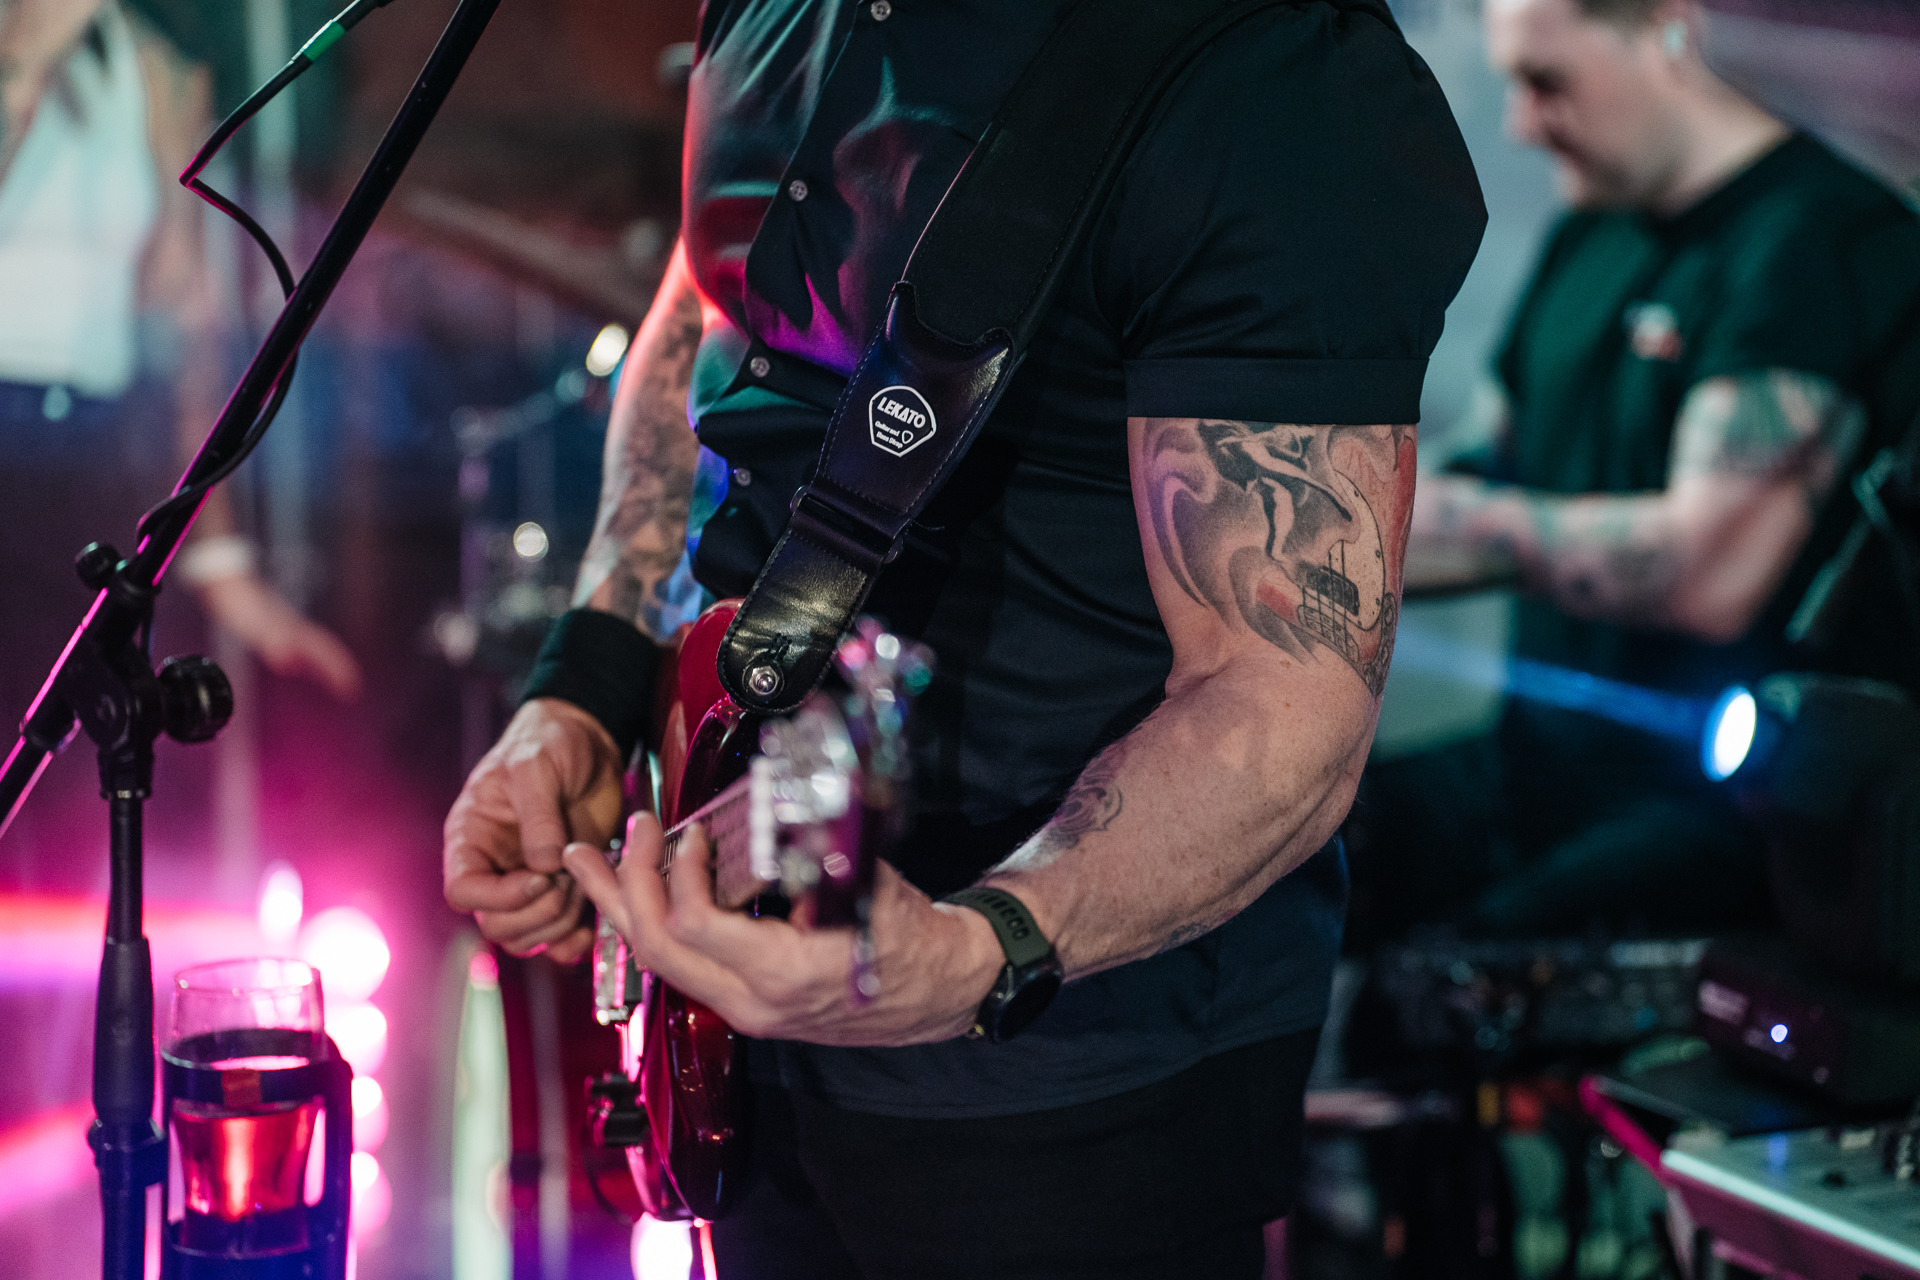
[[361, 1032], [282, 902], [349, 950], [50, 941], [372, 1194], [661, 1250], [369, 1114], [45, 1158]]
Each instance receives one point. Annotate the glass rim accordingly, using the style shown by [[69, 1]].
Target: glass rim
[[299, 973]]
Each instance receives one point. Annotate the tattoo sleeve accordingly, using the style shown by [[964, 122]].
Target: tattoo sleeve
[[1774, 423], [1753, 457], [639, 535], [1297, 533]]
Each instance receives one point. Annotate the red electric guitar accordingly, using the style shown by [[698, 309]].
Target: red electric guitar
[[801, 806]]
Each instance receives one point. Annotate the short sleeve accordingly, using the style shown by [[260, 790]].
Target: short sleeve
[[1287, 237], [1813, 287]]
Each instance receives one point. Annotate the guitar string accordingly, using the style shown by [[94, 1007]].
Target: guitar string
[[722, 817]]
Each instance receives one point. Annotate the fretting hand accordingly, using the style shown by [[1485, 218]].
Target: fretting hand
[[776, 980]]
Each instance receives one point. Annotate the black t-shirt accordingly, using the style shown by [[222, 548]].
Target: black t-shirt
[[1799, 262], [1281, 248]]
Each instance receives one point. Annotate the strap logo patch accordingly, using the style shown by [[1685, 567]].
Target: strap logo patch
[[899, 420]]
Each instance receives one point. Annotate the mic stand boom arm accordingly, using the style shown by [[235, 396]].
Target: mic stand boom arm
[[105, 680]]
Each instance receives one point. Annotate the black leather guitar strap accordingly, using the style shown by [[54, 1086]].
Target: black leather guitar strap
[[957, 325]]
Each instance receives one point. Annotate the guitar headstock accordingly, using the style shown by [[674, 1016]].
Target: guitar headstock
[[835, 772], [883, 674]]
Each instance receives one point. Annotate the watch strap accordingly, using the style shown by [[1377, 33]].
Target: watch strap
[[1013, 924]]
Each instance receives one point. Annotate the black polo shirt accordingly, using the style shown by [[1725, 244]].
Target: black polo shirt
[[1799, 262], [1282, 247]]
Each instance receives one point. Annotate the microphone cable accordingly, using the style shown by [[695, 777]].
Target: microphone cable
[[325, 38]]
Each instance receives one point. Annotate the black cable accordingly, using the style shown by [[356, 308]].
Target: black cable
[[193, 495]]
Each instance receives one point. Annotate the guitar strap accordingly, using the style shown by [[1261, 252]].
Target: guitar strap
[[957, 325]]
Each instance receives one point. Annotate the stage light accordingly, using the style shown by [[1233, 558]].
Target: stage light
[[361, 1032], [1728, 738], [661, 1250], [609, 346], [1779, 1033], [369, 1114], [372, 1194], [530, 541], [349, 950], [282, 903], [1828, 768]]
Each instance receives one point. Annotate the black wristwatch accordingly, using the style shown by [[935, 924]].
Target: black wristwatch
[[1033, 973]]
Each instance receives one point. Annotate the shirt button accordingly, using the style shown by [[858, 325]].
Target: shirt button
[[797, 190], [759, 366], [880, 10], [742, 477]]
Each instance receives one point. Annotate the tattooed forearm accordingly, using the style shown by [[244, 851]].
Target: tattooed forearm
[[1296, 532], [1092, 803], [1753, 457], [640, 533]]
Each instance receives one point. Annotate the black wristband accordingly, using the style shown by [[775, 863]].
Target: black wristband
[[1012, 923], [602, 665]]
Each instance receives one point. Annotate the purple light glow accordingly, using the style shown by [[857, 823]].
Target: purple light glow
[[51, 942], [44, 1158]]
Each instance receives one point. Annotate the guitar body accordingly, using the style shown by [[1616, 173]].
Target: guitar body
[[800, 805], [691, 1070]]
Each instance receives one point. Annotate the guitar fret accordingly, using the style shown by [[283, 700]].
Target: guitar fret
[[726, 819]]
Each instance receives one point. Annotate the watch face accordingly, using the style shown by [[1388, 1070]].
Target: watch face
[[1028, 999]]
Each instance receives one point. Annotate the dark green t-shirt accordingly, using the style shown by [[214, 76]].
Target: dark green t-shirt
[[1800, 262]]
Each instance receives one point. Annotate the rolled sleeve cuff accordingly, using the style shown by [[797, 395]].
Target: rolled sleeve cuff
[[1331, 392]]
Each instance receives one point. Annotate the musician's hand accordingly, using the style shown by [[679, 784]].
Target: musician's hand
[[553, 777], [775, 980]]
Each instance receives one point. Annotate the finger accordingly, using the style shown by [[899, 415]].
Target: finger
[[490, 890], [571, 948], [731, 937], [597, 880], [555, 916], [533, 788], [641, 893], [690, 887], [528, 915]]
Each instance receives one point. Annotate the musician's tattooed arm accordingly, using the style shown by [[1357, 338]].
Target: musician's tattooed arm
[[641, 531], [1296, 532], [1274, 553], [1753, 457]]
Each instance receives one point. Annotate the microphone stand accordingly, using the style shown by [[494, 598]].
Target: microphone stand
[[104, 682]]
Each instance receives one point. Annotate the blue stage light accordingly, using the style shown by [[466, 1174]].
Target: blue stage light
[[1779, 1033], [1729, 733]]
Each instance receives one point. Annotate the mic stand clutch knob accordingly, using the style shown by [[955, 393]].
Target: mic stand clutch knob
[[196, 698]]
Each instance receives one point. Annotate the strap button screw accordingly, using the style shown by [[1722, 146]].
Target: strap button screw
[[742, 477], [759, 366], [797, 190], [763, 680], [880, 10]]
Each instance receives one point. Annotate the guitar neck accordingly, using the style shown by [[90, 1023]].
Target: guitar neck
[[740, 834]]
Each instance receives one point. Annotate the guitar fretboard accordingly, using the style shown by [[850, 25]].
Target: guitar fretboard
[[741, 872]]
